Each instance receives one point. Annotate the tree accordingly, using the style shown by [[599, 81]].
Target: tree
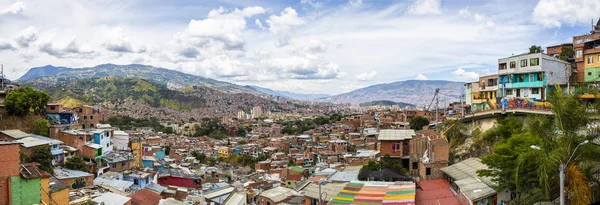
[[242, 142], [199, 156], [41, 127], [168, 130], [418, 122], [566, 53], [24, 100], [17, 103], [535, 49], [43, 156], [534, 172], [76, 163]]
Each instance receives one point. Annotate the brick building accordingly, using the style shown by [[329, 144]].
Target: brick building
[[395, 143], [10, 167]]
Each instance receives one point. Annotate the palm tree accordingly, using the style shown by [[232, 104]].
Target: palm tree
[[562, 134]]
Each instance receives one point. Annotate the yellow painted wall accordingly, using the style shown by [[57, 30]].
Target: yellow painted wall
[[45, 184], [136, 148], [593, 65], [61, 197]]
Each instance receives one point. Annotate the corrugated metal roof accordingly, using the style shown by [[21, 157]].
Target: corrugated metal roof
[[277, 194], [344, 176], [114, 183], [110, 198], [466, 169], [219, 192], [389, 134], [331, 190], [15, 134], [474, 189], [236, 199]]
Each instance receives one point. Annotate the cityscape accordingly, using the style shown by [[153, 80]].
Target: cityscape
[[408, 102]]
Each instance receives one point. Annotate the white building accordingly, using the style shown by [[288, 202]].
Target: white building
[[121, 140]]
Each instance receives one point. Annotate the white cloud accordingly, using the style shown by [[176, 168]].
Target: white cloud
[[425, 7], [466, 75], [366, 76], [14, 8], [421, 77], [314, 4], [6, 45], [27, 36], [72, 49], [222, 26], [555, 13], [355, 3], [259, 24], [284, 24], [464, 12], [118, 42]]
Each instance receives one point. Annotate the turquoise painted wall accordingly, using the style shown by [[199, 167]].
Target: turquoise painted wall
[[25, 191]]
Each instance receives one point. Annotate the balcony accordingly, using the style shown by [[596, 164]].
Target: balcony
[[535, 84], [489, 88], [591, 50]]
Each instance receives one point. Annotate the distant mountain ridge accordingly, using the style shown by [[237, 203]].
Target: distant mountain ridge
[[287, 94], [46, 76], [417, 92], [386, 103]]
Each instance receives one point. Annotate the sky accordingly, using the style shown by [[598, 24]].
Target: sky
[[301, 46]]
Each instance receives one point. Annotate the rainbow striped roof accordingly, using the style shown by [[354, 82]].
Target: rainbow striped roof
[[370, 193]]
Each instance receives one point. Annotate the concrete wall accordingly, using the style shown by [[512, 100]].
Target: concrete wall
[[555, 70], [25, 191]]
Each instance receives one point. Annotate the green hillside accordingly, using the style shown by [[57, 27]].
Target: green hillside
[[98, 90]]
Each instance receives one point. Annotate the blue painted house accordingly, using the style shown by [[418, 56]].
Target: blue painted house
[[139, 178]]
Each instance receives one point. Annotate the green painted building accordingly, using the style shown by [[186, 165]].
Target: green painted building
[[25, 191]]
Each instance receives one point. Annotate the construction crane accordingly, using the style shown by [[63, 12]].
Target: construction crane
[[436, 98]]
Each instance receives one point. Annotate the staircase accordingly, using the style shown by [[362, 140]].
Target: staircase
[[492, 104]]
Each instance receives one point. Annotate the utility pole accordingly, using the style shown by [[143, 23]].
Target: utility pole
[[437, 108], [2, 75]]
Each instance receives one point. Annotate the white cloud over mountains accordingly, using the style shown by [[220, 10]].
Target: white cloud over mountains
[[298, 47]]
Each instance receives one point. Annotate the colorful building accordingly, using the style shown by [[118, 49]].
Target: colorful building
[[530, 76], [485, 98]]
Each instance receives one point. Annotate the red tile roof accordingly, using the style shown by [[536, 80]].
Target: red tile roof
[[435, 192], [145, 197]]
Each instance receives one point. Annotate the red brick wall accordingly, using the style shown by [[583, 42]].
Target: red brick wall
[[386, 148], [10, 167]]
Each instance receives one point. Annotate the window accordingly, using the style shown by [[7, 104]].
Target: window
[[80, 110], [579, 54], [91, 117], [85, 117], [395, 147], [534, 62], [52, 108], [114, 165], [521, 78], [428, 171], [136, 181], [513, 64], [540, 76], [415, 165], [524, 63], [535, 91], [589, 73], [509, 92], [590, 59], [531, 77], [124, 163]]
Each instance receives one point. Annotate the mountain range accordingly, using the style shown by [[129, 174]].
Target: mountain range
[[289, 95], [417, 92]]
